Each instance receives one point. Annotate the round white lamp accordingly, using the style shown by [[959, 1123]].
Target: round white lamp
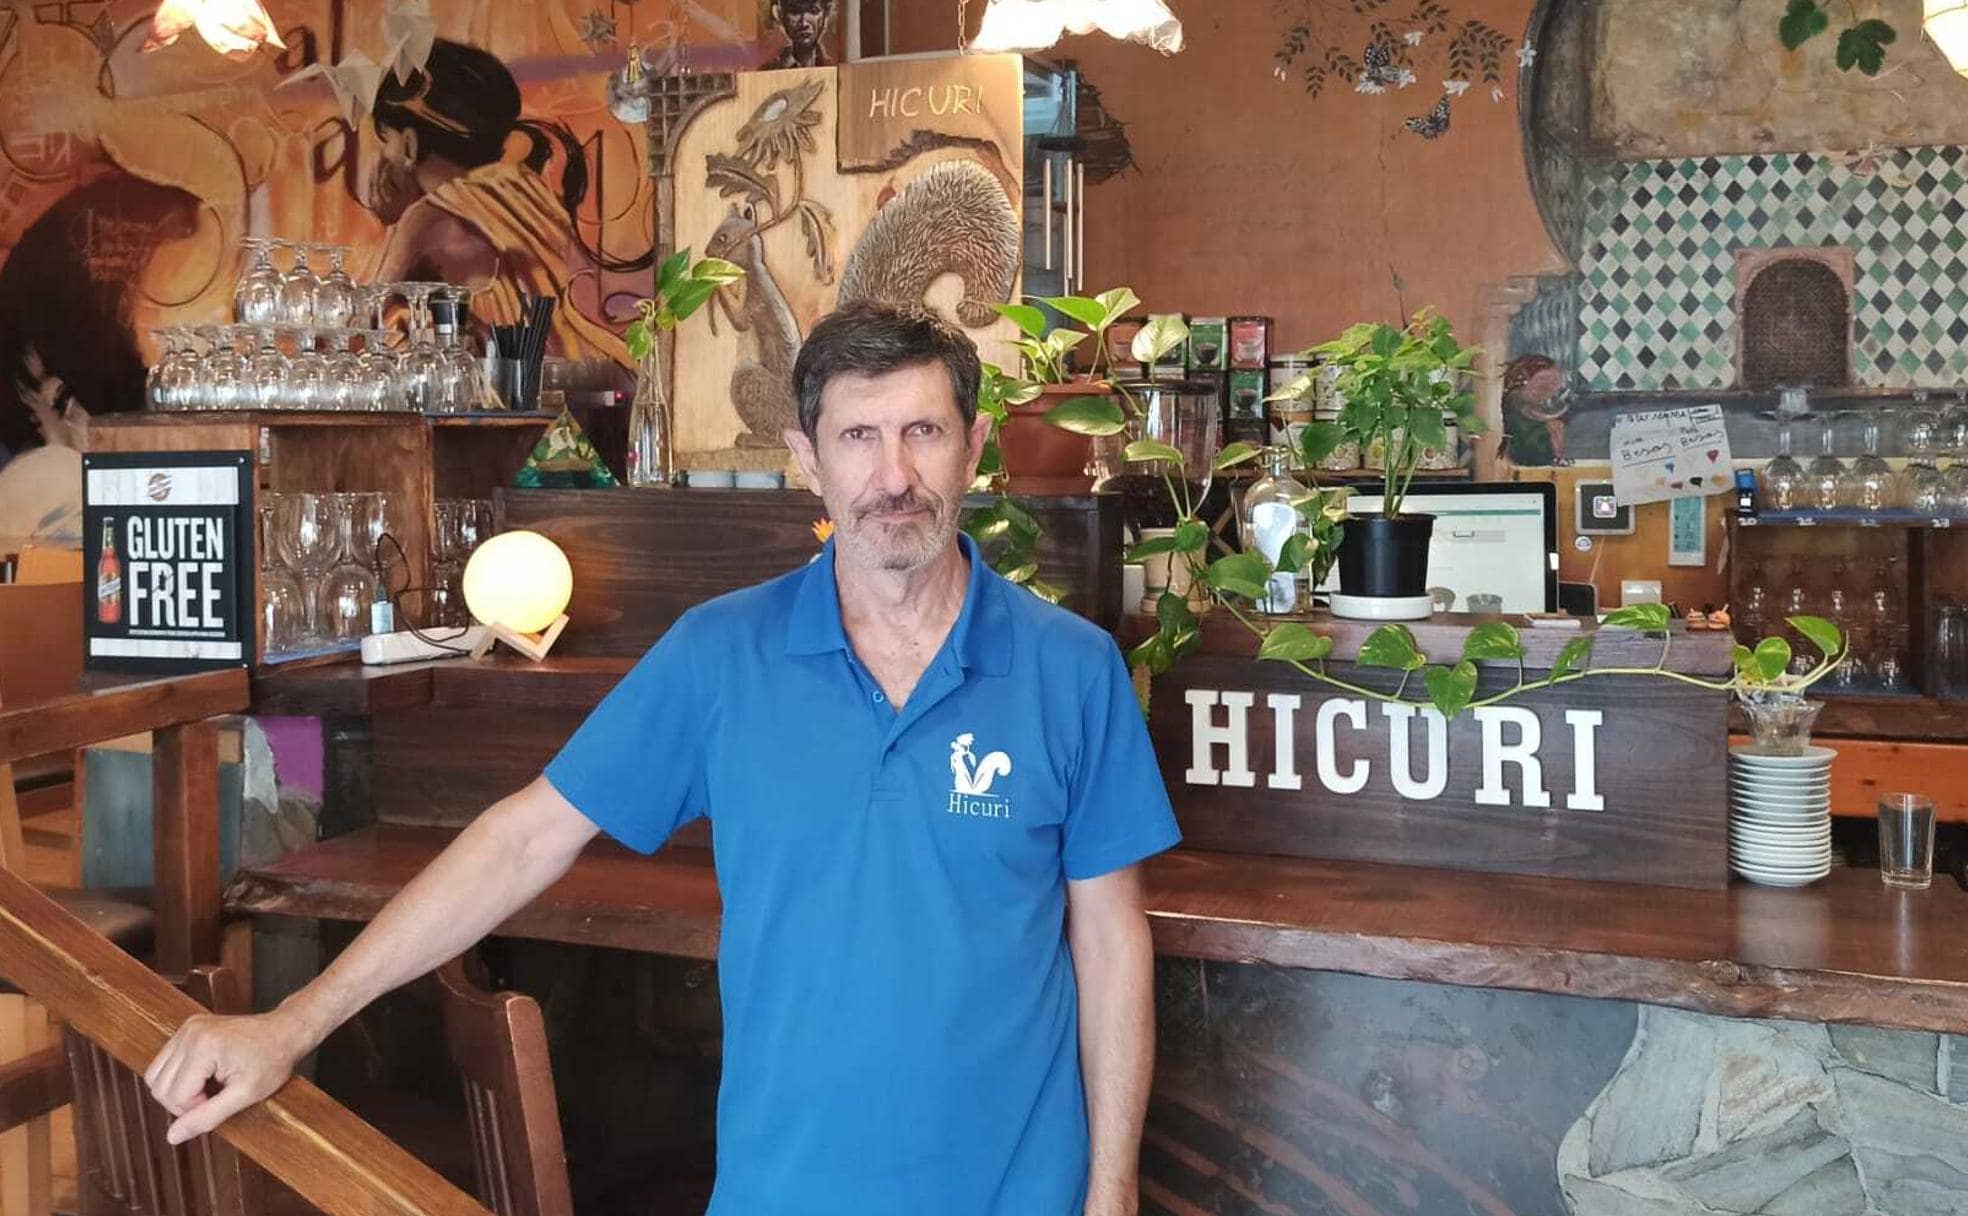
[[518, 584]]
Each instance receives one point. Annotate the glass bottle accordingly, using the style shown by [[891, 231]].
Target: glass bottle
[[650, 456], [1269, 520]]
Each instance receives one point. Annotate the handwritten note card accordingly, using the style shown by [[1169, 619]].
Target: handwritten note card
[[1680, 453]]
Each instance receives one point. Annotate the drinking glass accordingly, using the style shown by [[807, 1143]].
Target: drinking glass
[[1825, 477], [308, 536], [1906, 841], [226, 369], [267, 372], [1869, 480], [313, 384], [420, 366], [1783, 477], [349, 586], [376, 385], [335, 295], [1951, 650], [446, 600], [1182, 415], [283, 615], [344, 371], [1780, 722], [297, 287], [256, 296], [1753, 608], [157, 389], [458, 387]]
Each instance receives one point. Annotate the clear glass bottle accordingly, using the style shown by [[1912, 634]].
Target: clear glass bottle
[[1269, 520], [651, 459]]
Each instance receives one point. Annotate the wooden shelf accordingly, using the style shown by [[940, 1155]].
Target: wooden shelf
[[1844, 950], [1844, 519]]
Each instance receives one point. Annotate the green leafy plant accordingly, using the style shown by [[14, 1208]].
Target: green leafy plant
[[1398, 385], [1448, 686], [682, 287], [1861, 45]]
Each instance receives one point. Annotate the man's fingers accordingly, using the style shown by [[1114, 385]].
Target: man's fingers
[[211, 1112], [166, 1056], [185, 1080]]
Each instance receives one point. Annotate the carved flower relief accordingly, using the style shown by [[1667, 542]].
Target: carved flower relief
[[781, 129]]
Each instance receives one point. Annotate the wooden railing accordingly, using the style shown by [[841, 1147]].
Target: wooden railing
[[332, 1158], [185, 785]]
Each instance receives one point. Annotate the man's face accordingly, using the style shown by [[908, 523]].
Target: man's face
[[803, 20], [892, 461], [393, 178]]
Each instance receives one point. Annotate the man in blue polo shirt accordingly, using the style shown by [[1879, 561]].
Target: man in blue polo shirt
[[928, 790]]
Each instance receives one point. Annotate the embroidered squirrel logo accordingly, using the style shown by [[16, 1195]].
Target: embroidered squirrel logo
[[967, 774]]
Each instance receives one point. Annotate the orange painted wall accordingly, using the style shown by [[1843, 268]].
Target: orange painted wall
[[1254, 197]]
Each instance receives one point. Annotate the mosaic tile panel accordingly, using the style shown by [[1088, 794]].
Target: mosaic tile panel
[[1658, 285]]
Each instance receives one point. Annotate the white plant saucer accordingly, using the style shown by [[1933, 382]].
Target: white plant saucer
[[1383, 607]]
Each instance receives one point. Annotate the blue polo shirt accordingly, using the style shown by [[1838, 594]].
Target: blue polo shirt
[[900, 1016]]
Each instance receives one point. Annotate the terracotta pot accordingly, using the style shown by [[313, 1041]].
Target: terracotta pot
[[1042, 457]]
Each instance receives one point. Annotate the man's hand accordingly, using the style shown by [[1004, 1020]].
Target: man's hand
[[249, 1057]]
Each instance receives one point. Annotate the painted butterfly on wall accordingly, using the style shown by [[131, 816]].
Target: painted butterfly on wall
[[1433, 124], [1377, 63]]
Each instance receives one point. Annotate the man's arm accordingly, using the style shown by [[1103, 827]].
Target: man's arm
[[1114, 963], [495, 867]]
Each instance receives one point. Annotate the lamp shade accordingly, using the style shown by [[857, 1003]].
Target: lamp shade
[[518, 579], [1946, 23], [233, 28], [1033, 25]]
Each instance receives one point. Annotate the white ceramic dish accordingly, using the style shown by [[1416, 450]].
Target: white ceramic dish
[[1756, 757], [1781, 880]]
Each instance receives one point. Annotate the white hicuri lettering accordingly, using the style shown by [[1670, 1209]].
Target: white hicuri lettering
[[1522, 753], [1355, 712], [1205, 735], [1585, 760], [1284, 759], [1400, 758]]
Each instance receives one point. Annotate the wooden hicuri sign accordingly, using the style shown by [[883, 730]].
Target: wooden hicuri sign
[[1618, 779]]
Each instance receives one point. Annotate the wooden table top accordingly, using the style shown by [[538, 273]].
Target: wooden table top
[[1844, 950]]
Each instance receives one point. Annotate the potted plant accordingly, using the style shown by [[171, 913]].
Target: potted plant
[[1399, 384], [1052, 412], [682, 287]]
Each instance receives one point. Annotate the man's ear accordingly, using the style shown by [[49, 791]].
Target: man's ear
[[980, 432], [803, 451]]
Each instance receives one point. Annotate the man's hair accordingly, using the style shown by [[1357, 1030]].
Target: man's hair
[[871, 339]]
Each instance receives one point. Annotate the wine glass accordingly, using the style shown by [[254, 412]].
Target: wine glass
[[267, 373], [297, 287], [376, 387], [1783, 477], [335, 296], [313, 383], [157, 388], [256, 296], [1753, 609], [460, 384], [1869, 480], [283, 615], [1824, 478], [447, 558], [226, 369], [420, 367], [348, 588], [308, 537]]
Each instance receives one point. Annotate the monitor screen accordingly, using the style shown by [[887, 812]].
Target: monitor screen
[[1490, 539]]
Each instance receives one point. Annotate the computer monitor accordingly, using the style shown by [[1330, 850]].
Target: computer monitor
[[1496, 538]]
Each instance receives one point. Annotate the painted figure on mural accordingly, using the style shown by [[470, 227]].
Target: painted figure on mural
[[460, 177], [1535, 402], [806, 25]]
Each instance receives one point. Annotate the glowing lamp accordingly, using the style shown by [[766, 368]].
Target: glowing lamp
[[1946, 24], [517, 584], [233, 28], [1034, 25]]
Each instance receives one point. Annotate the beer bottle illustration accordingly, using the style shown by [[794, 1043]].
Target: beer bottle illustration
[[109, 578]]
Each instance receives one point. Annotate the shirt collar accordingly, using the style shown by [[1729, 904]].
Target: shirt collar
[[981, 638]]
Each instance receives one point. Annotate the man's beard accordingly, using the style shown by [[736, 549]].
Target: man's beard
[[901, 546]]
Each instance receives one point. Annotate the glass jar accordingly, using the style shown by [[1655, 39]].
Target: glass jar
[[1268, 521]]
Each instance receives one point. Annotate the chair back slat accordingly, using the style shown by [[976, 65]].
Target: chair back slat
[[498, 1042]]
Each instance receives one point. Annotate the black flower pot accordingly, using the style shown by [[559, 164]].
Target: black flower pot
[[1385, 557]]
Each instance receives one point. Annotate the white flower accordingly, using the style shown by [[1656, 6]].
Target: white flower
[[1403, 78], [1367, 84], [1414, 37], [1279, 72], [1496, 93], [1525, 54], [1455, 88]]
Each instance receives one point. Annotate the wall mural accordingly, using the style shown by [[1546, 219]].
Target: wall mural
[[462, 139], [1400, 48]]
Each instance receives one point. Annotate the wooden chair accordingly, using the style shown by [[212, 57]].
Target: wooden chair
[[123, 1164], [498, 1042]]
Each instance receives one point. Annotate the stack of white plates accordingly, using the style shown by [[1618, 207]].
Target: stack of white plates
[[1780, 815]]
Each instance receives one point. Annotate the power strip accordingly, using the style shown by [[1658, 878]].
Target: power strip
[[379, 649]]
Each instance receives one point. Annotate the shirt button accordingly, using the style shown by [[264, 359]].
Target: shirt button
[[878, 698]]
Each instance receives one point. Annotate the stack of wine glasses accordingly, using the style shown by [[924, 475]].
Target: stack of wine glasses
[[1865, 600], [320, 569], [1850, 473], [457, 527]]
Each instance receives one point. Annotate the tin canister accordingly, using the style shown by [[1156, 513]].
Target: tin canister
[[1120, 345], [1247, 392], [1209, 344], [1250, 343]]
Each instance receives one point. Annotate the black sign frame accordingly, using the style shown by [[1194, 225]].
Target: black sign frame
[[120, 644]]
